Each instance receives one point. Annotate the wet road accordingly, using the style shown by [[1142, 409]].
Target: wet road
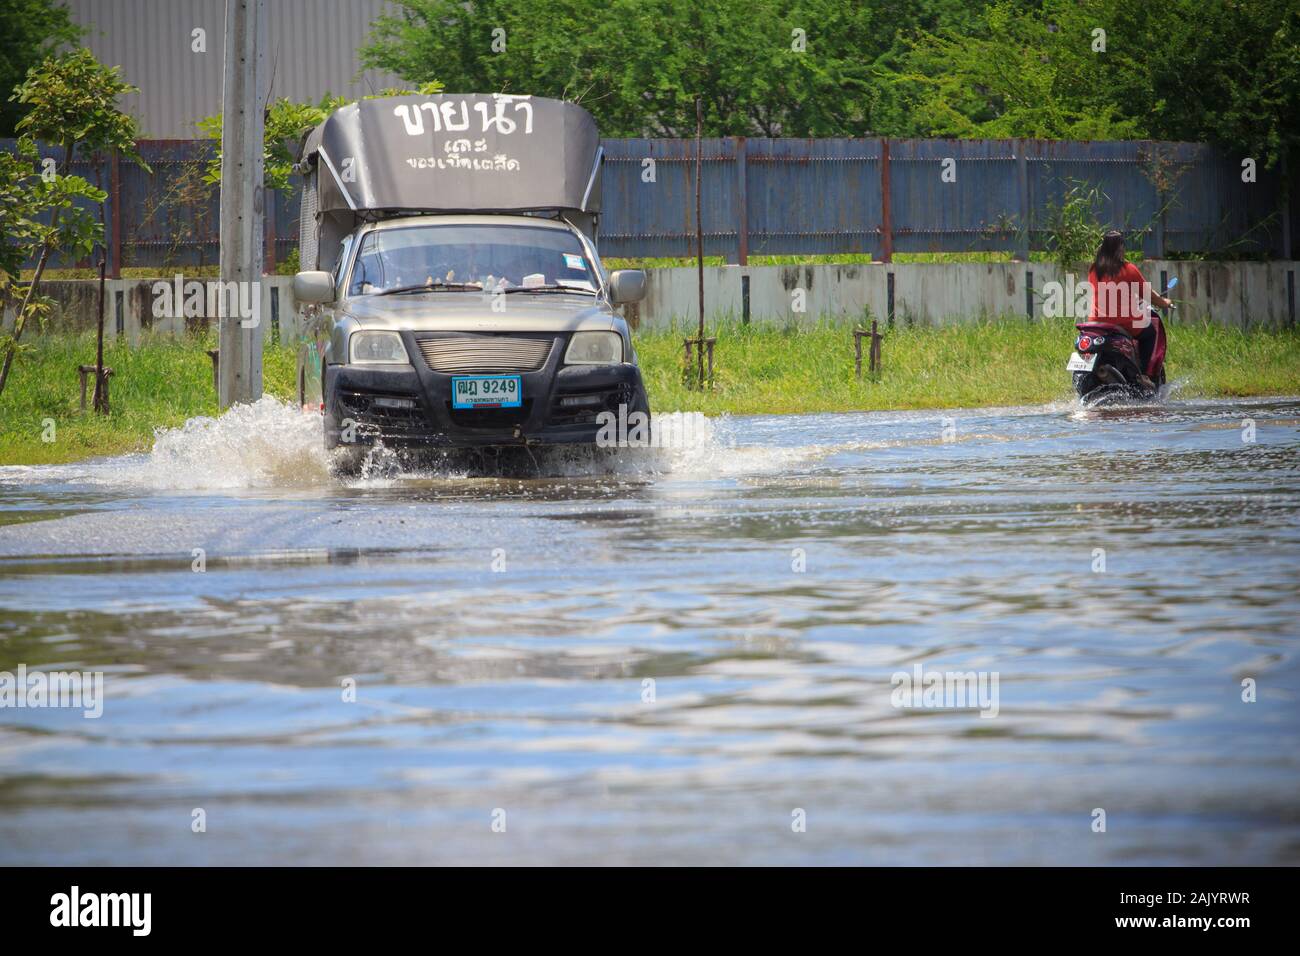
[[691, 659]]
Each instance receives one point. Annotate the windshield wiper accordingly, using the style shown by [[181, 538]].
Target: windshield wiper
[[549, 288], [438, 286]]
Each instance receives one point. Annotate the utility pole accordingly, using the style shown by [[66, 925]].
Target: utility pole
[[243, 98], [699, 228]]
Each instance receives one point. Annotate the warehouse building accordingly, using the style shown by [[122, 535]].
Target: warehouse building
[[172, 50]]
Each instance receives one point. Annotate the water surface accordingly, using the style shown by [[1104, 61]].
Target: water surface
[[662, 661]]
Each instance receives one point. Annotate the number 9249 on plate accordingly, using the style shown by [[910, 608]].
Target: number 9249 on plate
[[487, 391]]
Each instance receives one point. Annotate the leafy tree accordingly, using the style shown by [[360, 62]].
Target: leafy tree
[[30, 30], [762, 67], [28, 193], [899, 24], [1030, 74], [71, 102], [1228, 72], [1218, 71]]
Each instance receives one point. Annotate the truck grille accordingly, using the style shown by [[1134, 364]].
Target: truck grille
[[485, 353]]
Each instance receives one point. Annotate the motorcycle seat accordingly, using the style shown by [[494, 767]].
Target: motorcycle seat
[[1103, 328]]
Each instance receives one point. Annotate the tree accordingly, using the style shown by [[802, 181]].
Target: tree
[[71, 102], [28, 192], [30, 30], [1218, 71], [1215, 71], [1230, 74], [1024, 73], [762, 67]]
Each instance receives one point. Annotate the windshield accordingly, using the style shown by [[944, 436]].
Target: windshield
[[489, 257]]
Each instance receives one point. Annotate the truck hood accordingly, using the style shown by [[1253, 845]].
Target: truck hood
[[472, 312]]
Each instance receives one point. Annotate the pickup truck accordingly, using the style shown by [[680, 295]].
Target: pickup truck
[[453, 292]]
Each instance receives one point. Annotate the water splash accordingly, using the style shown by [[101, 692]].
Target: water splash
[[274, 445], [683, 445], [268, 443]]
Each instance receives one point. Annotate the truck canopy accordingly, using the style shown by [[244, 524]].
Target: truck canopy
[[446, 153]]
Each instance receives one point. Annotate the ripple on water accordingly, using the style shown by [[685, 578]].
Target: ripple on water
[[657, 656]]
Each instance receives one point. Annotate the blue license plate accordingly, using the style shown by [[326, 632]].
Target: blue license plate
[[487, 391]]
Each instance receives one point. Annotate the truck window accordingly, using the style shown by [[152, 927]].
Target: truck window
[[342, 261], [489, 257]]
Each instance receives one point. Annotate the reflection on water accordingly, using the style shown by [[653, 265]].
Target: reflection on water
[[658, 659]]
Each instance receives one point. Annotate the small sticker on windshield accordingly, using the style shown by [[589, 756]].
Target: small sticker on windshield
[[574, 262]]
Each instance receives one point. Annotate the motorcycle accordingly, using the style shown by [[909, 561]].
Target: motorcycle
[[1105, 363]]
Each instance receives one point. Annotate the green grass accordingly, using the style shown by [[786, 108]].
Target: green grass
[[160, 384], [767, 369], [758, 369]]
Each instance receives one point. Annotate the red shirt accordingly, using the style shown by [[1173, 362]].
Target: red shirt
[[1118, 300]]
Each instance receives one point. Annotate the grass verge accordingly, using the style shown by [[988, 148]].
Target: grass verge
[[762, 369], [758, 369], [160, 384]]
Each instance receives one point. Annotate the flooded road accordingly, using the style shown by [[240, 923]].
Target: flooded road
[[696, 658]]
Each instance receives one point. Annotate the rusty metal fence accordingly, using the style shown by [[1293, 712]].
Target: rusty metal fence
[[794, 197]]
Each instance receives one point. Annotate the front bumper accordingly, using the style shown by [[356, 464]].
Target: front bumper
[[409, 406]]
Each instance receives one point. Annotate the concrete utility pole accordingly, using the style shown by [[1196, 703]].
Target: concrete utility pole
[[243, 95]]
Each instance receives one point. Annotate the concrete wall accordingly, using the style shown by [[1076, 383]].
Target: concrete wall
[[129, 308], [1239, 294]]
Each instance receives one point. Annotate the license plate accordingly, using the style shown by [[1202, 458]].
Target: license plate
[[1081, 363], [487, 391]]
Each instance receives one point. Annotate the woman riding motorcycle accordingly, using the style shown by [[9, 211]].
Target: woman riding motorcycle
[[1121, 296]]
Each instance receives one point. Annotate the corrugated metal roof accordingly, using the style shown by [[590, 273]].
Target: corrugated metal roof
[[313, 50]]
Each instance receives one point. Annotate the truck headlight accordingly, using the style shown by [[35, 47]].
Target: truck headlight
[[377, 348], [594, 348]]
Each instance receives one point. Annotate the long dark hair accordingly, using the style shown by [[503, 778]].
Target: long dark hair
[[1110, 255]]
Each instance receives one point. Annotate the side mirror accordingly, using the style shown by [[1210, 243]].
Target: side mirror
[[626, 285], [313, 287]]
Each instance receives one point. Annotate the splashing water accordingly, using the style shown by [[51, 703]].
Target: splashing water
[[683, 446], [265, 444], [272, 444]]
